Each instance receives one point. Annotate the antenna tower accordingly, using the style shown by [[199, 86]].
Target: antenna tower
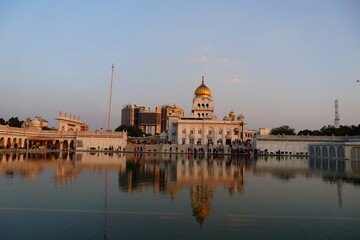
[[337, 117]]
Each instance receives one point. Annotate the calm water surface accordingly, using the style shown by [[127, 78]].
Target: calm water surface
[[99, 196]]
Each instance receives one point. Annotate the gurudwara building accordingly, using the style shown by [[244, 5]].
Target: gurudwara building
[[203, 127]]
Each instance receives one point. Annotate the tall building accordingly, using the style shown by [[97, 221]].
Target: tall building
[[169, 111], [130, 114], [145, 119], [149, 121]]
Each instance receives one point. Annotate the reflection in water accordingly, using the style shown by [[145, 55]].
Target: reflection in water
[[201, 197], [67, 165], [169, 174]]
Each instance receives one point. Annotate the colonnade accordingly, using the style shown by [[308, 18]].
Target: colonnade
[[210, 135], [25, 143], [327, 151]]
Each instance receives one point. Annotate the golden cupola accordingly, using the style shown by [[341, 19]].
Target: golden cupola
[[202, 90], [232, 114]]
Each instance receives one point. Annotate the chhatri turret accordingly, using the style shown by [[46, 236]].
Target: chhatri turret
[[203, 102]]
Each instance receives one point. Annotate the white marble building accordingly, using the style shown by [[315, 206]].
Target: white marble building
[[203, 127]]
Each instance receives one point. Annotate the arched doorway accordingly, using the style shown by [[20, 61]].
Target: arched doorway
[[57, 144], [15, 144], [65, 145], [20, 143], [9, 143], [25, 144]]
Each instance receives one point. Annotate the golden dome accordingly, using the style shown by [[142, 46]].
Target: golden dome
[[175, 110], [232, 114], [225, 118], [202, 90]]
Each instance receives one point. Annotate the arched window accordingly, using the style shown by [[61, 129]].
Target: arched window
[[332, 152], [340, 152], [312, 151], [207, 105], [317, 151], [203, 105], [324, 152], [236, 131], [199, 105]]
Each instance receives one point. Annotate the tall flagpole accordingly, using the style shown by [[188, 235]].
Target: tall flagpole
[[112, 77]]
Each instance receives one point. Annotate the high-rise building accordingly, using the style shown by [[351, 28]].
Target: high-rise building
[[145, 119], [150, 121]]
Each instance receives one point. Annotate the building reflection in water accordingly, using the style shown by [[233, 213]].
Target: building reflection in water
[[169, 174], [67, 165]]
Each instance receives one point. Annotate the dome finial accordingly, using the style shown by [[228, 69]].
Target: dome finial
[[202, 90]]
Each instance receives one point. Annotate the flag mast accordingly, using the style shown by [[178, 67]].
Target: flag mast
[[111, 83]]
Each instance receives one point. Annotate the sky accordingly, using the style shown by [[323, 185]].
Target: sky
[[277, 62]]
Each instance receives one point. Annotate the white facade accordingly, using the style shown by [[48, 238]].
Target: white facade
[[203, 127], [204, 131], [101, 142], [293, 145]]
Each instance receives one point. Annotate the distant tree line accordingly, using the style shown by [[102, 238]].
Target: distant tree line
[[332, 130], [328, 130], [12, 122]]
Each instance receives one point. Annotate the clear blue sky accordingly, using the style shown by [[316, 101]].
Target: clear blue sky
[[277, 62]]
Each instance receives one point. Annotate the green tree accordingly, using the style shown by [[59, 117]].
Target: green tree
[[305, 132], [332, 130], [2, 121], [328, 130], [285, 129], [309, 132], [131, 130], [14, 122]]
